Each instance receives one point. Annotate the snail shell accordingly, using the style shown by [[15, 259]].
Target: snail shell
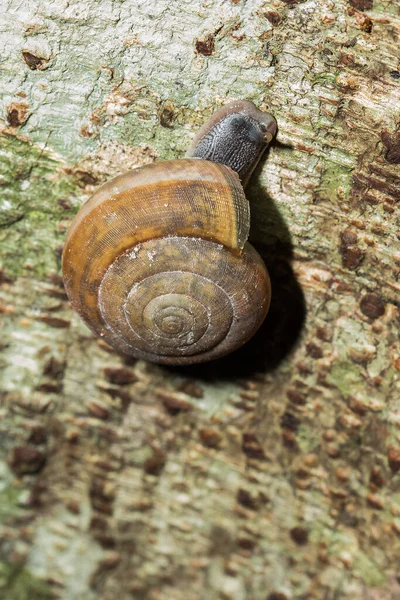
[[157, 263]]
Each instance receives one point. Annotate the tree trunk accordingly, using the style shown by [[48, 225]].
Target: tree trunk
[[274, 473]]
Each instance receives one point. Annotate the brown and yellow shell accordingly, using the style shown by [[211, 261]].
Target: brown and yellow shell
[[157, 263]]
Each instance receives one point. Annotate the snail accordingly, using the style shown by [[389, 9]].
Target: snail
[[157, 261]]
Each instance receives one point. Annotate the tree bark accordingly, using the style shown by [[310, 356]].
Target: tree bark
[[274, 473]]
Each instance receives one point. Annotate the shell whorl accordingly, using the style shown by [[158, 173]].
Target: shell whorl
[[185, 299], [157, 263]]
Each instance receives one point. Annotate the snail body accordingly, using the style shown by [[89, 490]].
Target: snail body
[[157, 261]]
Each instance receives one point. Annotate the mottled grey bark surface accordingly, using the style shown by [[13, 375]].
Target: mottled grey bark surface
[[275, 473]]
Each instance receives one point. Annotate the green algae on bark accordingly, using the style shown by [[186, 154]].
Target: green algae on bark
[[18, 584], [36, 195]]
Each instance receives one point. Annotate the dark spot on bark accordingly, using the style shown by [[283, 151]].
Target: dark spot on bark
[[33, 62], [372, 306], [361, 4], [172, 402], [322, 334], [73, 437], [392, 180], [210, 437], [4, 278], [379, 230], [56, 279], [391, 142], [86, 132], [393, 456], [64, 203], [296, 397], [245, 499], [251, 446], [55, 293], [346, 59], [292, 2], [348, 237], [357, 406], [364, 22], [289, 421], [38, 435], [97, 117], [302, 473], [129, 361], [99, 528], [17, 114], [375, 502], [350, 43], [206, 46], [119, 376], [84, 178], [155, 463], [106, 541], [249, 384], [351, 254], [54, 322], [277, 596], [299, 535], [394, 74], [246, 543], [371, 199], [192, 389], [54, 368], [98, 523], [98, 410], [110, 562], [305, 368], [50, 387], [313, 350], [273, 17], [27, 460], [101, 498], [376, 477], [167, 115], [389, 185], [122, 394], [73, 506]]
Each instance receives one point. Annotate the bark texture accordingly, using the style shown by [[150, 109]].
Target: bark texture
[[275, 473]]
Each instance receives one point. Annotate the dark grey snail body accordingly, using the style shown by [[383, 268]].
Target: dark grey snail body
[[236, 135], [157, 262]]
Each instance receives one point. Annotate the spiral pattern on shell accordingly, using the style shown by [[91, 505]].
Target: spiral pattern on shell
[[197, 309], [158, 265]]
